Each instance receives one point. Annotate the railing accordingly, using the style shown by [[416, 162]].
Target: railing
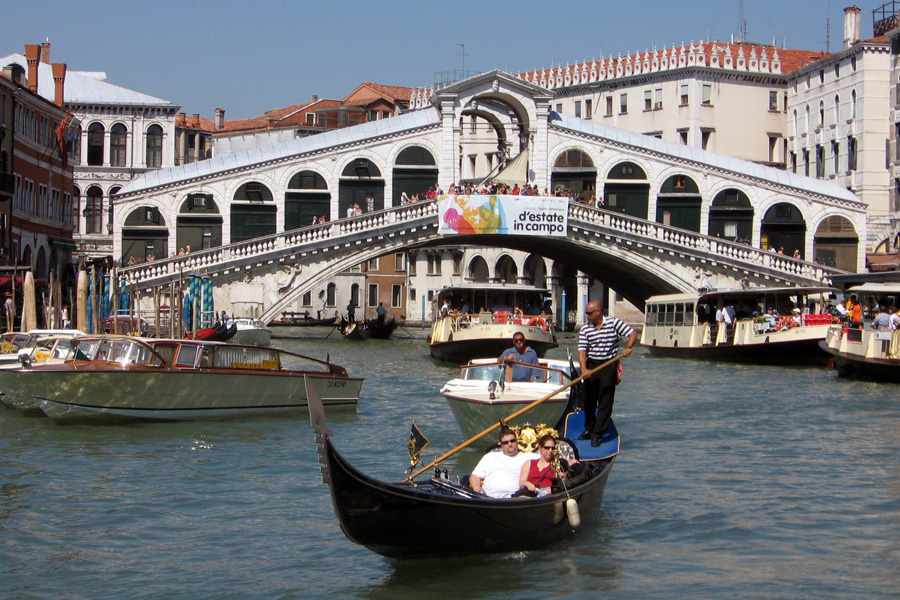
[[224, 257], [689, 240]]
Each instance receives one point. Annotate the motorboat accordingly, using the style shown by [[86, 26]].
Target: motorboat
[[38, 349], [461, 335], [109, 378], [485, 391], [781, 326], [249, 331], [864, 353], [24, 344], [453, 518]]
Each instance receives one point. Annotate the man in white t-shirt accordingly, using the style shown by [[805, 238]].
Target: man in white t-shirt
[[497, 473]]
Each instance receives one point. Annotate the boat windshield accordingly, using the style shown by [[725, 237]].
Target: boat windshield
[[124, 352], [495, 372]]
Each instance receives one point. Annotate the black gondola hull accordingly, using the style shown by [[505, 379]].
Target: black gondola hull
[[397, 520]]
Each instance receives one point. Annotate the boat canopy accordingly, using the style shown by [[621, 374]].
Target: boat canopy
[[754, 292], [872, 287]]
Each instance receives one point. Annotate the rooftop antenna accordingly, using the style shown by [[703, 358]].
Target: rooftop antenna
[[828, 29], [463, 52], [742, 24]]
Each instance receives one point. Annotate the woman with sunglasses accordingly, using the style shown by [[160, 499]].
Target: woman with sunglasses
[[537, 475]]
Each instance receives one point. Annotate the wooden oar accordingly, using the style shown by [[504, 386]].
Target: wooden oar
[[522, 410]]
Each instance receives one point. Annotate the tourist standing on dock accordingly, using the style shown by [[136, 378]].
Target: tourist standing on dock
[[598, 342]]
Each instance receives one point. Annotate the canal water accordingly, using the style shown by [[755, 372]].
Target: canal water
[[733, 481]]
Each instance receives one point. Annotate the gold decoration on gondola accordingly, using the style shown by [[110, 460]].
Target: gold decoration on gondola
[[529, 435]]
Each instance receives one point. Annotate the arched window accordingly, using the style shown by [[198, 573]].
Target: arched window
[[821, 114], [154, 146], [93, 210], [118, 143], [96, 133], [796, 124], [806, 121], [853, 104], [837, 109], [330, 293]]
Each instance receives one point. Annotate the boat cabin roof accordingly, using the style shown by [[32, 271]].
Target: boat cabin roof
[[711, 296], [872, 287]]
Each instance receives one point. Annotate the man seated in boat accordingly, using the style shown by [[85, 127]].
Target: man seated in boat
[[520, 353], [497, 473]]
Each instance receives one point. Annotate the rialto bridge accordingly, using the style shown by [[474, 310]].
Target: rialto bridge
[[675, 218]]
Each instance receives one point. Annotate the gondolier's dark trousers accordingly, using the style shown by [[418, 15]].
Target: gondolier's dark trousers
[[599, 395]]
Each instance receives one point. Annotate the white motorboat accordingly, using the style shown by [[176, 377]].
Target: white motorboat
[[685, 325], [485, 391], [249, 332], [109, 378]]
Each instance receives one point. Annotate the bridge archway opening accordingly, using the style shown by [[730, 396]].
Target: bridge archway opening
[[627, 190], [534, 271], [415, 171], [836, 243], [253, 212], [783, 229], [506, 270], [361, 183], [478, 271], [145, 235], [574, 170], [678, 203], [306, 200], [731, 216], [199, 222]]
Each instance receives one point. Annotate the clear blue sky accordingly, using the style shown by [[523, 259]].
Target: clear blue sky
[[252, 55]]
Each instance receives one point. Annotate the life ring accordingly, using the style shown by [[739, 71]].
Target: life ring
[[539, 322]]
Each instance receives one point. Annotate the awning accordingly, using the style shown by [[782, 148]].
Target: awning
[[516, 172], [61, 243]]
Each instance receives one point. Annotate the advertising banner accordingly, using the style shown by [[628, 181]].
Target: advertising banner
[[503, 215]]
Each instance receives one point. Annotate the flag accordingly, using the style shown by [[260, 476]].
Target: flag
[[417, 443], [62, 138]]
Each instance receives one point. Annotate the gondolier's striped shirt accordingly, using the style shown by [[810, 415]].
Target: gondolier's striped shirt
[[602, 344]]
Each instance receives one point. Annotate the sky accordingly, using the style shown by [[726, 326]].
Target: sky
[[248, 57]]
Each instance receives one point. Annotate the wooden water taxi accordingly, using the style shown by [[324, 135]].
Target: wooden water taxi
[[122, 378]]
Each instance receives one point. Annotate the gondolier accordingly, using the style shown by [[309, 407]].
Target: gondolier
[[598, 342]]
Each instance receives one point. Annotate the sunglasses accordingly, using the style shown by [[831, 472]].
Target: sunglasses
[[549, 447], [517, 340], [504, 442]]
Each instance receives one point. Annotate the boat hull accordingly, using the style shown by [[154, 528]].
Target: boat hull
[[793, 352], [133, 395], [379, 515], [474, 416]]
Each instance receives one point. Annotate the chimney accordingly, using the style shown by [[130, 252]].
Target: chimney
[[32, 56], [315, 98], [851, 25], [220, 118], [45, 52], [59, 83], [195, 121], [180, 120]]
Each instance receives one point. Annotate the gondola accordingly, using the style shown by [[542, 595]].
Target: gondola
[[380, 332], [441, 517], [220, 333]]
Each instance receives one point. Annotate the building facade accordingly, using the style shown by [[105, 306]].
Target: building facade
[[37, 229]]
